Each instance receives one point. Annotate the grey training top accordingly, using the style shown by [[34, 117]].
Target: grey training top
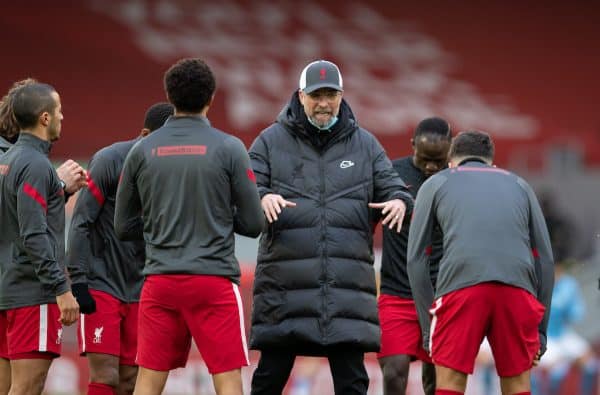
[[95, 255], [493, 230], [194, 187], [32, 218]]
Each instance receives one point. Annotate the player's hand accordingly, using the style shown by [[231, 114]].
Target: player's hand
[[426, 345], [69, 308], [536, 360], [393, 212], [272, 204], [73, 175]]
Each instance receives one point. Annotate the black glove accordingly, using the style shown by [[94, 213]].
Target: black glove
[[87, 304]]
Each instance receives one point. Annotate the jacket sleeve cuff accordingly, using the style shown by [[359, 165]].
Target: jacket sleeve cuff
[[61, 288], [262, 191], [408, 201]]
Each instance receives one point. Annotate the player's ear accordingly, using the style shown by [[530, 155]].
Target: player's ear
[[301, 96], [145, 132]]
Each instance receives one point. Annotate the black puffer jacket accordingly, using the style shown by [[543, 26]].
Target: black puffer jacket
[[314, 285]]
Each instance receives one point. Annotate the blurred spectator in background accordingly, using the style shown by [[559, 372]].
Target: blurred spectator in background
[[561, 230], [565, 346]]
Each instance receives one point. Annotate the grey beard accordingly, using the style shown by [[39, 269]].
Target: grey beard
[[325, 127]]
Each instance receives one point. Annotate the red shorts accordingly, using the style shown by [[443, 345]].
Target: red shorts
[[31, 332], [507, 315], [3, 333], [176, 307], [400, 330], [111, 330]]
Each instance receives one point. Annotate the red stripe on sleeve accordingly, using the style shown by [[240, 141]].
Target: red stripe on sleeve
[[95, 190], [428, 250], [535, 252], [35, 195], [251, 175]]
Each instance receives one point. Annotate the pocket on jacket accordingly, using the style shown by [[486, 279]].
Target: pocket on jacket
[[266, 240], [268, 307]]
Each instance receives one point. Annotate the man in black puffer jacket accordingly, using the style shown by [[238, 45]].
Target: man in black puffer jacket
[[320, 177]]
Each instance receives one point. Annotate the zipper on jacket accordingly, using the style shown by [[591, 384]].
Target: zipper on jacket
[[324, 246]]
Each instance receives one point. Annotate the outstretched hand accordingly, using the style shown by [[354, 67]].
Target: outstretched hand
[[272, 204], [393, 212]]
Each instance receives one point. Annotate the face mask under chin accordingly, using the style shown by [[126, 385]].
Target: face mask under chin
[[324, 128]]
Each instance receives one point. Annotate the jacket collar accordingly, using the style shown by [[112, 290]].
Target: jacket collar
[[187, 121], [294, 119], [472, 159], [4, 144], [30, 140]]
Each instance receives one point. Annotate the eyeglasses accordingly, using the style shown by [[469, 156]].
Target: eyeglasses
[[324, 95]]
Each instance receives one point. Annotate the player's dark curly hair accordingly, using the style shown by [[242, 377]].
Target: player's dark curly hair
[[157, 115], [435, 126], [472, 143], [9, 127], [189, 85]]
